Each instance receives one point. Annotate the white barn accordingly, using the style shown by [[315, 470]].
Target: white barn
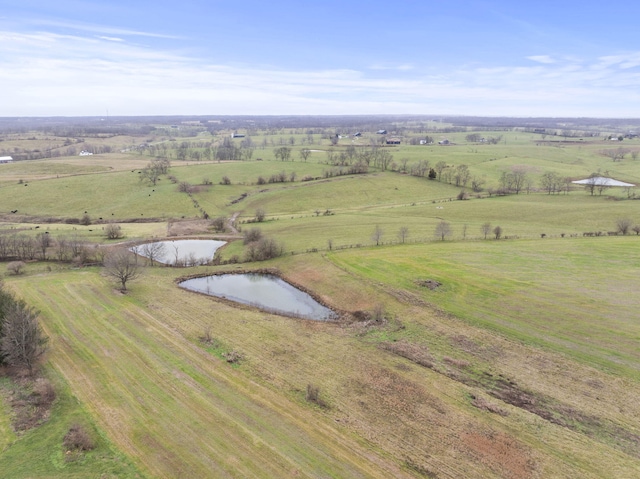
[[6, 159]]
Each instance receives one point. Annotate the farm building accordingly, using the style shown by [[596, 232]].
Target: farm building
[[381, 132], [393, 141], [6, 159], [85, 153]]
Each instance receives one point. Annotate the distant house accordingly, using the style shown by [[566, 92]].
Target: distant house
[[237, 135], [393, 141], [381, 132], [85, 153], [444, 142], [6, 159], [357, 134]]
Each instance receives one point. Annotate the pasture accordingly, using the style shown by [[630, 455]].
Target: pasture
[[521, 362]]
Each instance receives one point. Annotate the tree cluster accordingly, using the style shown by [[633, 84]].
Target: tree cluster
[[22, 340], [152, 172]]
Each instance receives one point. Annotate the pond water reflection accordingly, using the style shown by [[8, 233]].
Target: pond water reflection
[[180, 252], [264, 291]]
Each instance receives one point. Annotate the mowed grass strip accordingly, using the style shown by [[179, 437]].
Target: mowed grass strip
[[173, 407]]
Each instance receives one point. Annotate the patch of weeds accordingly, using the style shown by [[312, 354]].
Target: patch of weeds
[[484, 405], [313, 395], [506, 390], [217, 348], [423, 471], [77, 441], [30, 400]]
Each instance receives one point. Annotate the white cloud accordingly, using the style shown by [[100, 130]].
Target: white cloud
[[546, 59], [52, 74]]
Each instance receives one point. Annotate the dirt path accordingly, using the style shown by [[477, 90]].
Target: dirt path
[[232, 222]]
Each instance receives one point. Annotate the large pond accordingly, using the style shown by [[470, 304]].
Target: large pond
[[264, 291], [180, 252]]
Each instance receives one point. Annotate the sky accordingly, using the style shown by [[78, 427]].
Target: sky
[[196, 57]]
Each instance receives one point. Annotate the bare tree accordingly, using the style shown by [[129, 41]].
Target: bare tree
[[152, 251], [218, 224], [485, 228], [283, 153], [377, 234], [439, 168], [23, 340], [623, 225], [305, 153], [121, 265], [443, 229], [551, 182], [43, 241], [113, 231], [403, 233]]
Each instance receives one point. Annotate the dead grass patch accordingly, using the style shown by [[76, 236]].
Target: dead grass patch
[[484, 405], [413, 352], [501, 453], [30, 400]]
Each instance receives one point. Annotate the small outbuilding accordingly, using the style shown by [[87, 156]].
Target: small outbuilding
[[6, 159]]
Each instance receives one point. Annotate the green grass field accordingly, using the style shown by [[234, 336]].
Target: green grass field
[[522, 364]]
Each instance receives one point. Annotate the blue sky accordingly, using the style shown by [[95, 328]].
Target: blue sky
[[194, 57]]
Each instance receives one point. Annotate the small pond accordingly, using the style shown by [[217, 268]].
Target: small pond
[[265, 291], [182, 252]]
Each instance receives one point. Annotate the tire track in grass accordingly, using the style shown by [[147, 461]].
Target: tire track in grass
[[174, 408]]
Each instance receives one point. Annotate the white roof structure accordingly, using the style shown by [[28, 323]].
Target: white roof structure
[[601, 181], [5, 159]]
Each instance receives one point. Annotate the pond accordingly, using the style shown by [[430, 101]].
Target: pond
[[179, 252], [265, 291]]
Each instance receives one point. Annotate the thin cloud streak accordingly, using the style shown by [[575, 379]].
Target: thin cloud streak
[[51, 74]]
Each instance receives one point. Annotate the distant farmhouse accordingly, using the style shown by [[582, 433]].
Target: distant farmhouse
[[444, 142], [85, 153], [381, 132], [6, 159], [393, 141], [237, 135]]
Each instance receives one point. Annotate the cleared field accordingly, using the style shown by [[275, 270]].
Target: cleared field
[[177, 409]]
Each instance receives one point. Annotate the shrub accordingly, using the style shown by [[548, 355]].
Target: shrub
[[225, 180], [184, 187], [252, 235], [313, 395], [113, 231], [16, 267], [78, 439], [218, 223], [85, 220]]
